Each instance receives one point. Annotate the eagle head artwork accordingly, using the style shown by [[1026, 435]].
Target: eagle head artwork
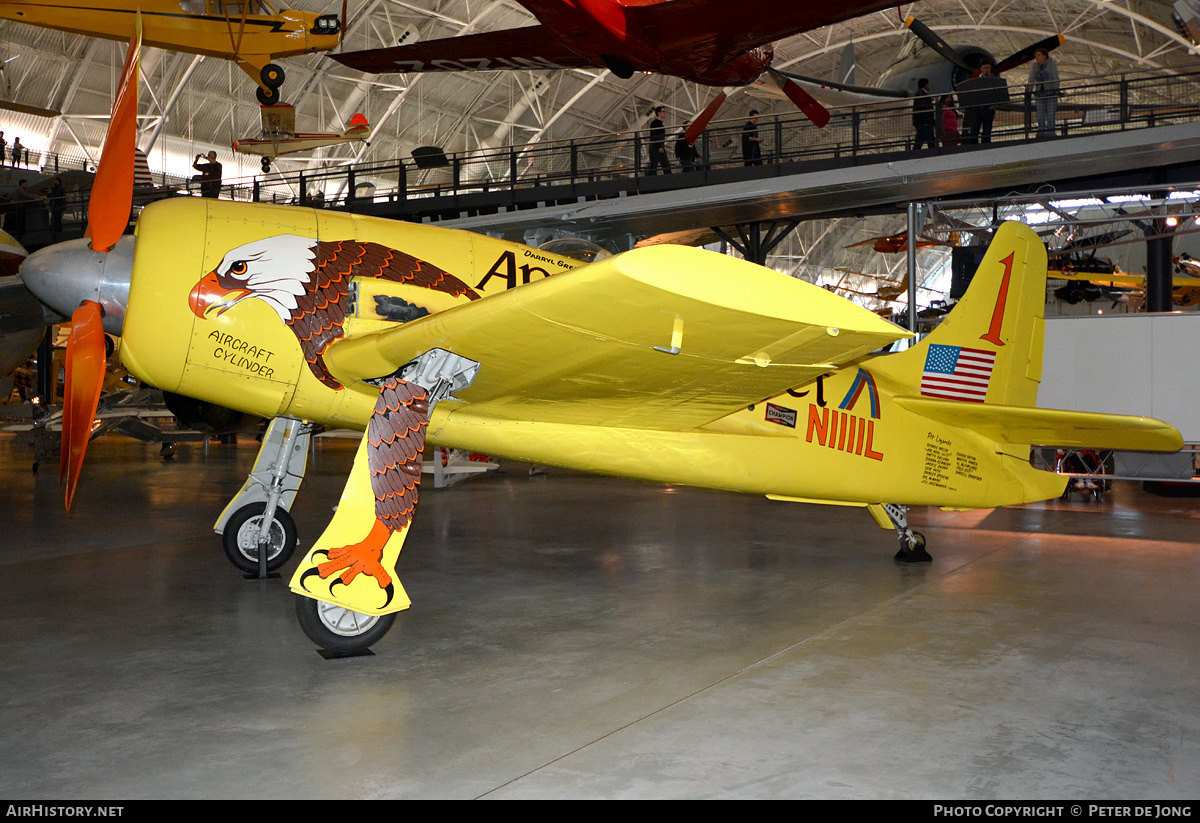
[[307, 283]]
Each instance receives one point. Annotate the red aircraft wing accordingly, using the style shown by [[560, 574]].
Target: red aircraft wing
[[533, 47], [690, 37], [693, 39]]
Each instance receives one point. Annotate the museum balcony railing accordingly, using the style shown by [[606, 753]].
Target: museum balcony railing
[[619, 161], [612, 165]]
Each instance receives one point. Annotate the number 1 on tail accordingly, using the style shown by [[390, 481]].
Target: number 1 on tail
[[993, 332]]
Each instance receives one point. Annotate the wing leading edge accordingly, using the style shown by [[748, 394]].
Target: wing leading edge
[[532, 47], [666, 337]]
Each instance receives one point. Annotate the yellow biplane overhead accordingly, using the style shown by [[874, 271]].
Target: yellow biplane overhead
[[667, 363], [252, 33]]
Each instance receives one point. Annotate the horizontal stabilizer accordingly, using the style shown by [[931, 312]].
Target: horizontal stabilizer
[[1050, 427]]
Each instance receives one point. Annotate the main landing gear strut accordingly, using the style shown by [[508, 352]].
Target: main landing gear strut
[[437, 374], [258, 534], [912, 543]]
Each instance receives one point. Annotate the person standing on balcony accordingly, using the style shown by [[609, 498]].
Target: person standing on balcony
[[922, 117], [980, 95], [685, 152], [210, 174], [1043, 78], [949, 120], [24, 202], [751, 142], [58, 204], [658, 143]]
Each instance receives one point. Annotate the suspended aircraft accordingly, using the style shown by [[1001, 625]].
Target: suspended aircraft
[[676, 37], [1092, 277], [889, 289], [896, 243], [946, 67], [279, 135], [645, 365], [710, 42], [252, 33], [1123, 287]]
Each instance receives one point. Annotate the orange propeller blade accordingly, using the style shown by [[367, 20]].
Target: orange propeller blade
[[85, 376], [112, 190], [703, 118], [804, 101]]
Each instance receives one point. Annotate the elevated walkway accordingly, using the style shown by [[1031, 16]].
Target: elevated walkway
[[1157, 157]]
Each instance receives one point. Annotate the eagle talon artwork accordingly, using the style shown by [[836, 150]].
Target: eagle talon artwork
[[395, 440]]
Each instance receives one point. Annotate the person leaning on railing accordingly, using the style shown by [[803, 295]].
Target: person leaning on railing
[[1043, 78]]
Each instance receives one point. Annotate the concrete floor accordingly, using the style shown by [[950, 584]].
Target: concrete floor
[[574, 636]]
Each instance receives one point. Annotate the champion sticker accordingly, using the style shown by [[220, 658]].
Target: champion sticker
[[781, 415]]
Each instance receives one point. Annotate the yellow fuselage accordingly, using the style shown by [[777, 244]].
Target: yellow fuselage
[[844, 440]]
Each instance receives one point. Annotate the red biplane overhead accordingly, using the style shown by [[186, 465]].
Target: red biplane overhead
[[710, 42]]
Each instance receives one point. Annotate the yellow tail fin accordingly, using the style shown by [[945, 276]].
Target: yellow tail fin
[[989, 348]]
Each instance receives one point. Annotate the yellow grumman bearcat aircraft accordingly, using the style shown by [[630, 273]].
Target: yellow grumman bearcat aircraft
[[249, 32], [667, 363]]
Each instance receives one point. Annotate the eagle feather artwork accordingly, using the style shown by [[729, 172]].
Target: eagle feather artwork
[[307, 283]]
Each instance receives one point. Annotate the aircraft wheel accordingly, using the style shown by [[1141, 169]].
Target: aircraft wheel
[[272, 75], [338, 629], [913, 551], [240, 538], [267, 97]]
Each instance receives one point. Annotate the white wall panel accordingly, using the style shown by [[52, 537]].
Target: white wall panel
[[1143, 364]]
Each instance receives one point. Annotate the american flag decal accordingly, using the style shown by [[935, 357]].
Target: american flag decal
[[957, 373]]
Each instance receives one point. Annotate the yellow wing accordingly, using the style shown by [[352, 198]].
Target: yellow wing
[[666, 337]]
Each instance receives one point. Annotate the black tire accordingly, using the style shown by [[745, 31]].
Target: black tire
[[340, 630], [913, 551], [272, 75], [267, 97], [241, 535]]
